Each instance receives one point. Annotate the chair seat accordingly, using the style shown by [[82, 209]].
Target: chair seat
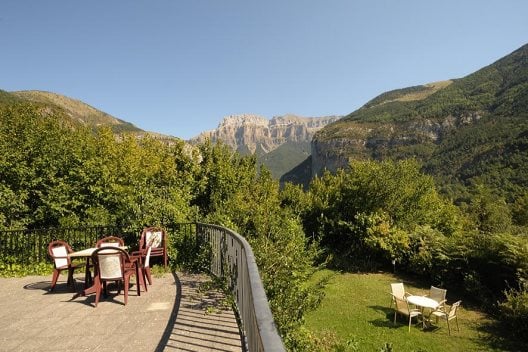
[[439, 314]]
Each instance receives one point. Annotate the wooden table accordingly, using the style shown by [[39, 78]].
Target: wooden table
[[85, 253]]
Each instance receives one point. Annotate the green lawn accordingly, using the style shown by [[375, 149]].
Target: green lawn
[[356, 309]]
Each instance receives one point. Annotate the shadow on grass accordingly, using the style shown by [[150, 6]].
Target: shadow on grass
[[388, 321]]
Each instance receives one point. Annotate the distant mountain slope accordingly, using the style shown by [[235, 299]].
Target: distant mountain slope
[[461, 129], [286, 156], [280, 143], [77, 110]]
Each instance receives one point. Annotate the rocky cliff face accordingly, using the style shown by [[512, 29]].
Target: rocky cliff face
[[379, 140], [256, 134]]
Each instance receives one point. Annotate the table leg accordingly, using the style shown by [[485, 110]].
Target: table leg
[[88, 290], [87, 274]]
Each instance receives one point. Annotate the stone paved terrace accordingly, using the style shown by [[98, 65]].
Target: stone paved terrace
[[174, 315]]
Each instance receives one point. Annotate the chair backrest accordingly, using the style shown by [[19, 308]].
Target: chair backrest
[[438, 294], [146, 263], [398, 290], [453, 309], [401, 304], [152, 236], [154, 239], [110, 241], [110, 262], [58, 251]]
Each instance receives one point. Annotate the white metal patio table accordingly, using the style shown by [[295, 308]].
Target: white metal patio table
[[423, 302]]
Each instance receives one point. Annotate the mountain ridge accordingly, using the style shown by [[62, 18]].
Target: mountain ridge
[[393, 126], [77, 110]]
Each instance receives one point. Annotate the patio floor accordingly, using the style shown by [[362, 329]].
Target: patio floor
[[174, 315]]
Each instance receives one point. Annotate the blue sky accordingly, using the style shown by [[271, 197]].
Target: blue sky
[[179, 66]]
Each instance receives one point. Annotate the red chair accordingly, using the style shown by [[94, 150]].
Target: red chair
[[113, 264], [146, 267], [58, 250], [155, 237], [143, 260], [110, 241]]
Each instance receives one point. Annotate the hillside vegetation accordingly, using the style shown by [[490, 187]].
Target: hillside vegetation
[[75, 110], [464, 131]]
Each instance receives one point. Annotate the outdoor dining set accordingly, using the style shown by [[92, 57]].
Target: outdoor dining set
[[110, 262], [423, 307]]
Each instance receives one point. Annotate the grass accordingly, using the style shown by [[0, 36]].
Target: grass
[[356, 310]]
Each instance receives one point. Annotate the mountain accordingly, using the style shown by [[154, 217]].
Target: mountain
[[473, 129], [280, 143], [78, 111]]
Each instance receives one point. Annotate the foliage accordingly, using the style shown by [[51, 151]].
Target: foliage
[[52, 174], [192, 253], [369, 213], [514, 310], [18, 270], [489, 212]]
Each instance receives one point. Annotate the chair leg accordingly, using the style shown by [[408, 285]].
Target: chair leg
[[54, 279], [395, 317], [448, 328], [97, 285], [142, 280], [410, 323], [456, 319], [149, 276], [126, 283]]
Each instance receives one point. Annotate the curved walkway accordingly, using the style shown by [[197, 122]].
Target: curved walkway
[[176, 314]]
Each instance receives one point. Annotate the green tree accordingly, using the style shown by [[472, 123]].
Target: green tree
[[370, 212]]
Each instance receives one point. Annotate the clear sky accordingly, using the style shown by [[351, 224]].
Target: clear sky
[[179, 67]]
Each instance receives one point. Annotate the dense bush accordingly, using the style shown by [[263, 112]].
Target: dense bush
[[514, 309], [370, 214]]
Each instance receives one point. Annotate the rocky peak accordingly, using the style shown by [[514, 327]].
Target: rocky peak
[[254, 133], [237, 121]]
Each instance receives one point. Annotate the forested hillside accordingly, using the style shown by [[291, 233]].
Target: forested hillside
[[74, 110], [464, 131]]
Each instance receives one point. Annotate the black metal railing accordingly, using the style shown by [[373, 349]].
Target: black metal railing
[[27, 247], [232, 258], [229, 257]]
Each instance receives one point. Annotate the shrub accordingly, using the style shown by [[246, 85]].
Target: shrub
[[514, 310]]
